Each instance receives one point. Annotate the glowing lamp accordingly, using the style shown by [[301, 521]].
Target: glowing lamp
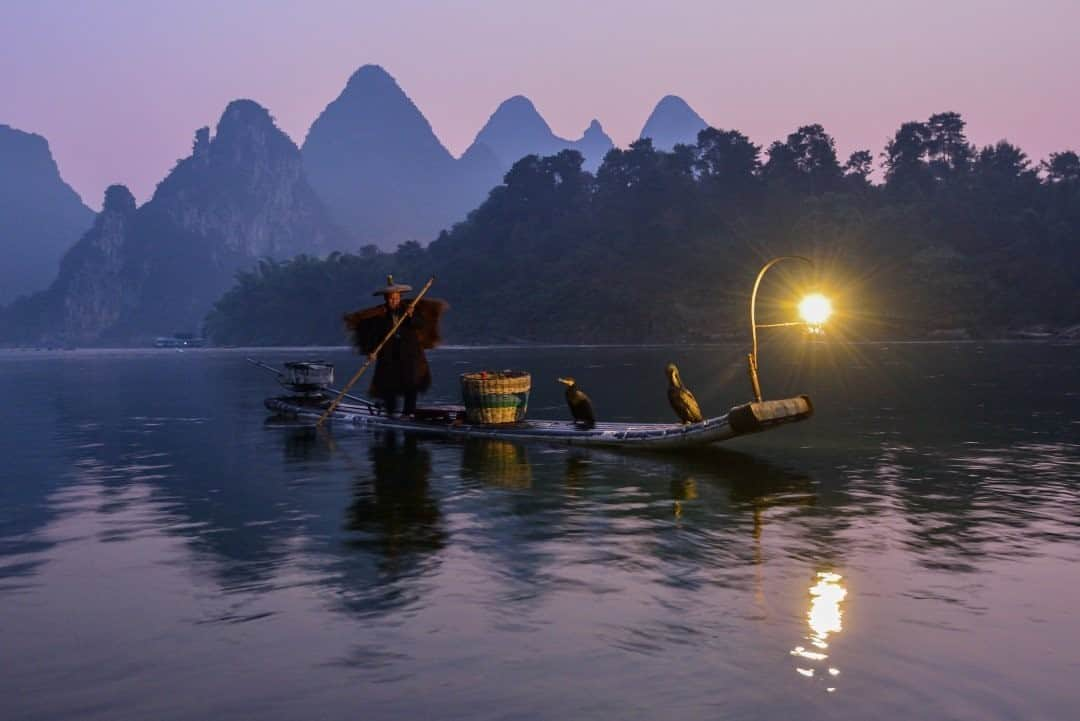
[[815, 309]]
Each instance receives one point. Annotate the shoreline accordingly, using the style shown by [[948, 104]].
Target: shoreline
[[150, 350]]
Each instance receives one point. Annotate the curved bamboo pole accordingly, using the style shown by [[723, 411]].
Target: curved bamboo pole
[[751, 359]]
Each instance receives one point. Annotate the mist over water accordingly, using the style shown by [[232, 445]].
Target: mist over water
[[166, 551]]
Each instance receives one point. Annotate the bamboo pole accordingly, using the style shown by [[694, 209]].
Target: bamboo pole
[[374, 354]]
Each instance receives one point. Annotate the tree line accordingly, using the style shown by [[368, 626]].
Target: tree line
[[663, 246]]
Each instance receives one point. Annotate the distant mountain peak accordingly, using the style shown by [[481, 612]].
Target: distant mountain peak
[[19, 146], [376, 162], [118, 199], [672, 121], [247, 169], [518, 100], [674, 101], [517, 129], [138, 271], [27, 138], [245, 111], [514, 115], [371, 88], [247, 149], [370, 74], [594, 129], [241, 122], [41, 216], [372, 116]]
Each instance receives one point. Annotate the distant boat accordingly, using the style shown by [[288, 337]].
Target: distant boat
[[179, 340]]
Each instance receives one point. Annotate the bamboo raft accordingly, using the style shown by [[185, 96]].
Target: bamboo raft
[[450, 421]]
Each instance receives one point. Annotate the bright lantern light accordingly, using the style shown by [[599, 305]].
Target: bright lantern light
[[815, 309]]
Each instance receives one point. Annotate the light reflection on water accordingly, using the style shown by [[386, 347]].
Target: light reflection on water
[[825, 617], [161, 535]]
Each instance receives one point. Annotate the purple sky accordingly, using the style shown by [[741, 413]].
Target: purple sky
[[118, 87]]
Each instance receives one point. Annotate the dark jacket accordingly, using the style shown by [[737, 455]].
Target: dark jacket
[[401, 365]]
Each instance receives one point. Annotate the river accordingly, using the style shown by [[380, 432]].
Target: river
[[167, 551]]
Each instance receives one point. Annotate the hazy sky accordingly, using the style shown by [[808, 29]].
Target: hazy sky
[[119, 86]]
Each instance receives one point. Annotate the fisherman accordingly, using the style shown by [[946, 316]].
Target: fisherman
[[401, 368]]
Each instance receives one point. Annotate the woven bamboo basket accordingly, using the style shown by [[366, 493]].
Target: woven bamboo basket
[[493, 397]]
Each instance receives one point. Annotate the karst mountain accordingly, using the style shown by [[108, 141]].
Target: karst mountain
[[41, 217]]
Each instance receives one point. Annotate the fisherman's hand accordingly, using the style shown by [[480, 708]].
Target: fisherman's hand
[[409, 312], [371, 357]]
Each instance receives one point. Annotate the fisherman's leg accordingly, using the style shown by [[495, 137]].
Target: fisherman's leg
[[389, 403], [410, 403]]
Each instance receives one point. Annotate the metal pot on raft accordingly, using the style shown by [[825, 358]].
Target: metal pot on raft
[[495, 397], [308, 376]]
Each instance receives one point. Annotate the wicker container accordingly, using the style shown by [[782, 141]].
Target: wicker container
[[492, 397]]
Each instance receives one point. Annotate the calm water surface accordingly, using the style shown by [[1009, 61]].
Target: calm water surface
[[166, 552]]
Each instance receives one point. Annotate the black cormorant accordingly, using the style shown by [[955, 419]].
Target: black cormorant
[[580, 405], [680, 397]]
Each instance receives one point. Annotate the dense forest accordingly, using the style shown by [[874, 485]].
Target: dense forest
[[954, 241]]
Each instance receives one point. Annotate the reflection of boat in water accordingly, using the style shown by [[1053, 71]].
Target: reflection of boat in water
[[449, 421], [412, 498]]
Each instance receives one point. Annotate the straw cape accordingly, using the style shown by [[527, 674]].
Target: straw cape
[[402, 365], [365, 334]]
